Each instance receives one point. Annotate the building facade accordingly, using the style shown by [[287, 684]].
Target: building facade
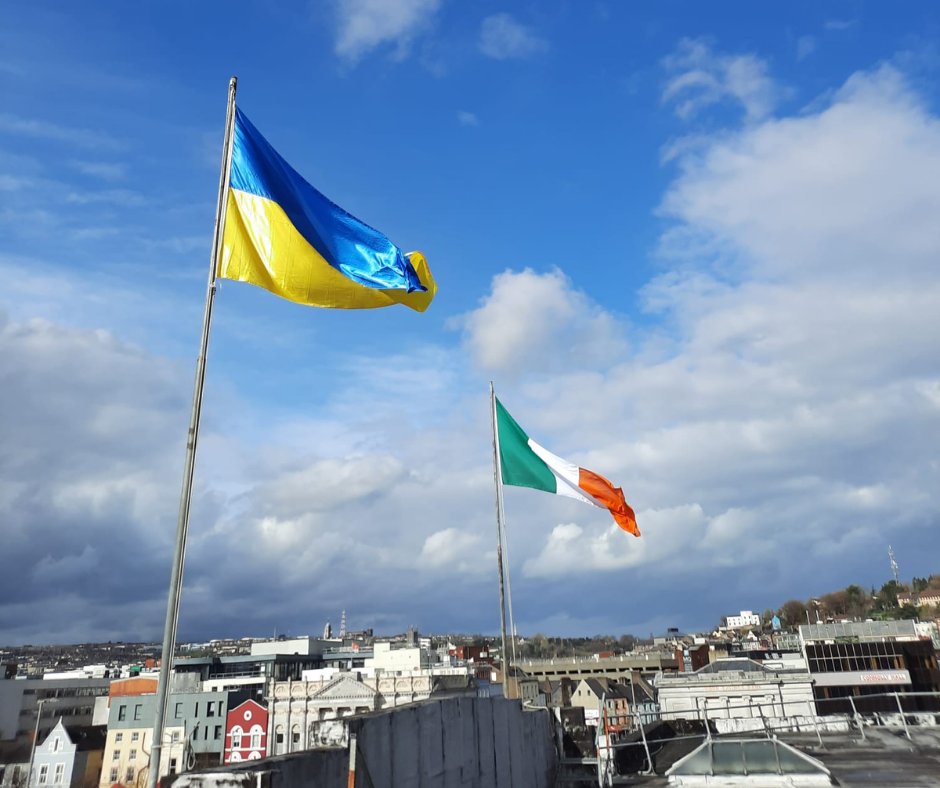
[[746, 618], [246, 732], [69, 757], [868, 662], [299, 708], [33, 707], [735, 688], [194, 734]]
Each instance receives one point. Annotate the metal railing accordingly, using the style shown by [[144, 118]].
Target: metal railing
[[891, 710]]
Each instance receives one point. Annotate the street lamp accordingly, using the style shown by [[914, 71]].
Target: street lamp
[[32, 752]]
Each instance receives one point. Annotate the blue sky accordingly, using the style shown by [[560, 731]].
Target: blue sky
[[694, 246]]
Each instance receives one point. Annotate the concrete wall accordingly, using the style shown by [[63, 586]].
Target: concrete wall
[[452, 743]]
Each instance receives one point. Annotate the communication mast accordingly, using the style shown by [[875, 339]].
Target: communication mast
[[894, 565]]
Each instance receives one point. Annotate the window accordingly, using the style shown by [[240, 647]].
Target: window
[[196, 712], [210, 709], [237, 737], [114, 775], [116, 755], [43, 773], [135, 736], [56, 744], [172, 765], [217, 733], [174, 737], [59, 773], [132, 754], [179, 710], [122, 713], [118, 737], [256, 732], [129, 775], [138, 708]]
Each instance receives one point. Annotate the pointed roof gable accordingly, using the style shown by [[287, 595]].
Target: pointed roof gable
[[59, 730], [252, 704], [345, 687]]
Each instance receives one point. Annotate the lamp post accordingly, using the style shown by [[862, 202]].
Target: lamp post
[[32, 752]]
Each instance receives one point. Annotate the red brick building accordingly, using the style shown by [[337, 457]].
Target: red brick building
[[246, 732]]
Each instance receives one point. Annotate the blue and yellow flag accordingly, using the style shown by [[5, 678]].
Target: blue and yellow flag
[[283, 235]]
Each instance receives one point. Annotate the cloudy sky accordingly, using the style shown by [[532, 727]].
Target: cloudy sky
[[696, 249]]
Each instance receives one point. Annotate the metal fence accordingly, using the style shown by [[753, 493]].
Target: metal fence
[[894, 710]]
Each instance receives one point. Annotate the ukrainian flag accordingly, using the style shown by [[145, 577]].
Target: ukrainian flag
[[283, 235]]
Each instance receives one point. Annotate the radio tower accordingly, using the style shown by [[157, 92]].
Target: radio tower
[[342, 625], [894, 565]]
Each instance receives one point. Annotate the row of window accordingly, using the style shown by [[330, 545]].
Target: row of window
[[837, 657], [58, 711], [66, 692], [138, 711], [128, 774], [214, 708], [58, 776], [238, 737]]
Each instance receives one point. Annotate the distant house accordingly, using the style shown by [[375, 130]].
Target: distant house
[[923, 599], [746, 618], [69, 757], [616, 702]]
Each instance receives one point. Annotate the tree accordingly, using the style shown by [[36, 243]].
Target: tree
[[919, 584], [858, 603], [887, 597], [793, 613], [627, 642]]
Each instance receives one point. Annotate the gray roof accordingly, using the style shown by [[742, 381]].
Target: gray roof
[[739, 664]]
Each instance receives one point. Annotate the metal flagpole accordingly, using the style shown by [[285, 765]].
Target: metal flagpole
[[182, 526], [499, 543]]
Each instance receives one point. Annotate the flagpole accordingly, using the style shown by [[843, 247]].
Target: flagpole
[[499, 544], [182, 526]]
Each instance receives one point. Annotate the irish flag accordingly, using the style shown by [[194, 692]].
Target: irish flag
[[524, 463]]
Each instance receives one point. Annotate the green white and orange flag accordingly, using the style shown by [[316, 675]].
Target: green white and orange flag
[[523, 463]]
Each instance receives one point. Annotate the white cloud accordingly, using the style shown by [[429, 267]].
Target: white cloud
[[805, 46], [455, 549], [780, 412], [42, 129], [106, 171], [122, 197], [465, 118], [539, 322], [364, 25], [774, 417], [699, 77], [741, 194], [840, 24], [502, 38], [325, 484]]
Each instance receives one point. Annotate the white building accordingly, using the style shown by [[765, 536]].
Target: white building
[[300, 709], [736, 688], [386, 659], [746, 618]]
